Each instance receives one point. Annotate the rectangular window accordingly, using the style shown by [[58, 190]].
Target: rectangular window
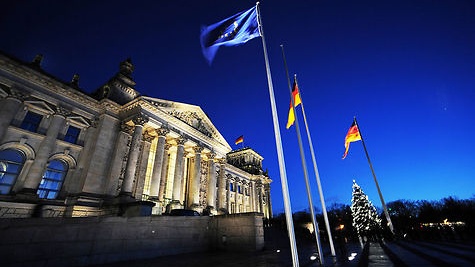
[[31, 122], [239, 189], [231, 187], [72, 135]]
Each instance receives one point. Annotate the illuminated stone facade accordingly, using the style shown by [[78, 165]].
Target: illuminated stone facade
[[64, 152]]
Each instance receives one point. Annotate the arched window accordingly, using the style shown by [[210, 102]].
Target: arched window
[[52, 179], [11, 162]]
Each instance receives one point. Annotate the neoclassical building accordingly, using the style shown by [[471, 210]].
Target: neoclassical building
[[65, 152]]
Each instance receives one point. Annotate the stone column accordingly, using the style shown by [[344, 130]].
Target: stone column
[[141, 172], [236, 196], [118, 156], [228, 195], [179, 169], [44, 152], [252, 196], [163, 180], [259, 189], [131, 166], [194, 192], [269, 204], [222, 184], [211, 191], [158, 163], [9, 107]]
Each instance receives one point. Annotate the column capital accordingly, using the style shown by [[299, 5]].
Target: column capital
[[140, 119], [198, 149], [180, 141], [211, 156], [230, 178], [167, 146], [148, 137], [221, 161], [162, 131], [95, 122], [126, 128]]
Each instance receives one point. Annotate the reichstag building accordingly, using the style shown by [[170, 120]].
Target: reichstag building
[[114, 152]]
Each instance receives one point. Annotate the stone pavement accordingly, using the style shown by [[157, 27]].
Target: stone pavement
[[277, 254], [434, 253], [230, 259], [400, 253]]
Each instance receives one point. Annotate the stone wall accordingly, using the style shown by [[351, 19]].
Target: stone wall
[[241, 231], [95, 240]]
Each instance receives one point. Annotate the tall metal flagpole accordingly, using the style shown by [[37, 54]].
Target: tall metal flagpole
[[304, 164], [319, 184], [280, 154], [386, 213]]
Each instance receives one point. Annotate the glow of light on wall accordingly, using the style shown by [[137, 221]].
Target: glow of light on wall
[[150, 162]]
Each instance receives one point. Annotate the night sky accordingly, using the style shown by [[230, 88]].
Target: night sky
[[404, 68]]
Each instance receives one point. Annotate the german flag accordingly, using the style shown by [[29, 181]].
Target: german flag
[[240, 139], [352, 136], [297, 101]]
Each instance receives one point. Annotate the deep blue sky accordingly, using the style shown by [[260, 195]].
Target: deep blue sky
[[404, 68]]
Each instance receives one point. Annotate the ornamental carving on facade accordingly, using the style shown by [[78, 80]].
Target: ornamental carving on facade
[[180, 141], [198, 149], [148, 137], [18, 95], [230, 178], [159, 104], [203, 183], [211, 156], [126, 128], [140, 119], [62, 111], [162, 131], [192, 119]]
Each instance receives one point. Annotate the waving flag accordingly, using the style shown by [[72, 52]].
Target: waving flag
[[232, 31], [297, 101], [352, 136], [240, 139]]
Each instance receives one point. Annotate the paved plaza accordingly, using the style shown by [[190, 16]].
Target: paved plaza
[[398, 253], [277, 253]]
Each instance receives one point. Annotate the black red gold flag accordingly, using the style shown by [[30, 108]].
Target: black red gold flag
[[297, 101], [240, 139], [352, 136]]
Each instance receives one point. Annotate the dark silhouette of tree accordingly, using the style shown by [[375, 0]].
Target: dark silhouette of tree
[[429, 211], [403, 215]]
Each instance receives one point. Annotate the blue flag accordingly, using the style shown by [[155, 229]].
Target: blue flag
[[234, 30]]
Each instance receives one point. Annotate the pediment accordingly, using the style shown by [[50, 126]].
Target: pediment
[[191, 115], [41, 106], [79, 121]]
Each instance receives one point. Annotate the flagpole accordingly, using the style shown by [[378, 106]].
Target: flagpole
[[280, 154], [386, 213], [319, 184], [304, 165]]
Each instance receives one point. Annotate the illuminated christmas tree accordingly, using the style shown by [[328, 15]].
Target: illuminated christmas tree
[[365, 217]]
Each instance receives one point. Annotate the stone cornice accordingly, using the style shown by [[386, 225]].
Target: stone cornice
[[44, 81], [30, 78], [237, 172]]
